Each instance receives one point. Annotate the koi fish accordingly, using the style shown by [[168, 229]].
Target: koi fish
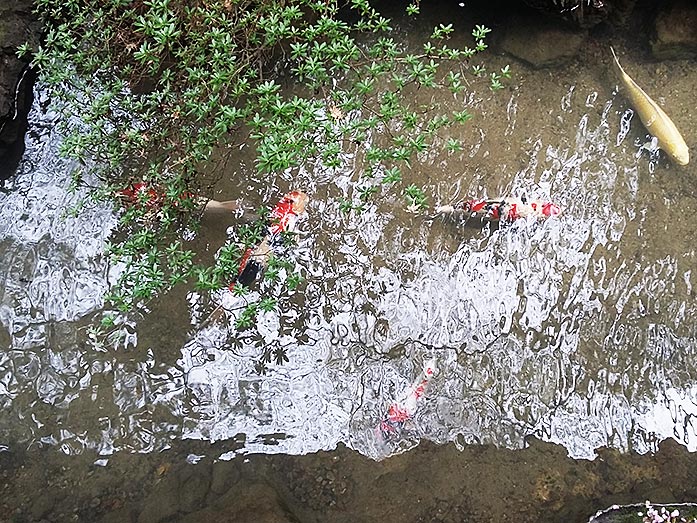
[[255, 259], [654, 119], [141, 192], [505, 209], [153, 198], [226, 207], [284, 217], [404, 408]]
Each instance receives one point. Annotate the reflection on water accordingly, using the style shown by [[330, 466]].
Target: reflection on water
[[53, 277], [580, 329]]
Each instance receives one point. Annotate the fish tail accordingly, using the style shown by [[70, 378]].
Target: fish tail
[[230, 206], [617, 61], [445, 209]]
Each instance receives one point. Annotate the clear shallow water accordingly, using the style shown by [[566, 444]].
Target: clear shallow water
[[53, 278], [579, 330]]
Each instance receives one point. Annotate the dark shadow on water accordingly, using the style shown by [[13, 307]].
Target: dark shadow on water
[[13, 126]]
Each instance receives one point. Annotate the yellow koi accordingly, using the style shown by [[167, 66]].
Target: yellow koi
[[654, 118]]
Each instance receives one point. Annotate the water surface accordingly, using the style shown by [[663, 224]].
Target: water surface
[[579, 330]]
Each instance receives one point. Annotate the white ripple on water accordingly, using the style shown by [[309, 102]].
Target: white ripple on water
[[537, 328], [54, 275], [512, 322]]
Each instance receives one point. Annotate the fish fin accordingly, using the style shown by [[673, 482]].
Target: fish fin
[[650, 146], [444, 209], [213, 317]]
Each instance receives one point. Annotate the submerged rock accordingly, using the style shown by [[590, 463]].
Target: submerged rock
[[675, 31], [541, 44], [18, 25]]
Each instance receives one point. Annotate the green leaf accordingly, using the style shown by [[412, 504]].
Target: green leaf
[[479, 32], [462, 116], [24, 50], [453, 145], [413, 9], [293, 281], [415, 196], [392, 175], [267, 304], [442, 31]]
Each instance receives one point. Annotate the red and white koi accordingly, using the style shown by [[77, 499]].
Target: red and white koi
[[284, 217], [404, 408], [141, 192], [506, 209], [153, 198]]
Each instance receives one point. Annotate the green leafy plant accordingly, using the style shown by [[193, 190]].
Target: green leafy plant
[[416, 197], [165, 91]]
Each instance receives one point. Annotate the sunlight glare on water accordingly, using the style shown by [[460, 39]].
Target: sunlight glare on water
[[534, 325], [579, 330], [53, 277]]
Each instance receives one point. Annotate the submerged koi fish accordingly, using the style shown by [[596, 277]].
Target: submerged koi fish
[[226, 207], [140, 192], [505, 209], [284, 217], [153, 198], [654, 118], [404, 408]]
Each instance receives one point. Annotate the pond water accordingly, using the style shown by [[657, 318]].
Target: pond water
[[580, 330]]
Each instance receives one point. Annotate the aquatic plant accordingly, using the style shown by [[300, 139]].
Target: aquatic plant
[[160, 94]]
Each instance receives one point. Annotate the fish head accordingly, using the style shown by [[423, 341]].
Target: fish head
[[550, 209], [299, 200], [429, 367], [681, 154], [676, 148]]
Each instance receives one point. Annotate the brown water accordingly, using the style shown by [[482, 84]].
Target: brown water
[[579, 330]]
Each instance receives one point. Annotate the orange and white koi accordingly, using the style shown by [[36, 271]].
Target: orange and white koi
[[153, 198], [505, 209], [141, 192], [404, 408], [284, 217]]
